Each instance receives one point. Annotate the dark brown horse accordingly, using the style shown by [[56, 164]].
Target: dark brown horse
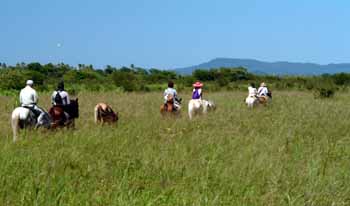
[[105, 114], [58, 116]]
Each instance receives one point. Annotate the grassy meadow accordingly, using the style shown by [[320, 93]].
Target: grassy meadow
[[296, 151]]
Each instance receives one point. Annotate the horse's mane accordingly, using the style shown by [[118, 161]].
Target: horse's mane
[[73, 108]]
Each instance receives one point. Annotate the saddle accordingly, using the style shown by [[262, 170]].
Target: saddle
[[32, 112]]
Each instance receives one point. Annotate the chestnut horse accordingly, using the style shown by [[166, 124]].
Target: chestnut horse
[[264, 100], [168, 107], [58, 116], [105, 114]]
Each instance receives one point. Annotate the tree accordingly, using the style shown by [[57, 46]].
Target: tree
[[109, 69]]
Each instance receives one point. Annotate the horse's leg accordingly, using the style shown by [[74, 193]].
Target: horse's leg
[[169, 107], [15, 125], [162, 109], [205, 107], [190, 110]]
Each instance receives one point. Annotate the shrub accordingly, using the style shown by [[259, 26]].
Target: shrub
[[324, 89], [324, 92]]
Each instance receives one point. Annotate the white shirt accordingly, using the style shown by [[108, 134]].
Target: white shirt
[[171, 91], [252, 92], [263, 91], [64, 95], [28, 96]]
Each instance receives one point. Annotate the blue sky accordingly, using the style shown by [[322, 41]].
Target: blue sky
[[173, 33]]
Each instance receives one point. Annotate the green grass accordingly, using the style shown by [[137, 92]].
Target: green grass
[[296, 151]]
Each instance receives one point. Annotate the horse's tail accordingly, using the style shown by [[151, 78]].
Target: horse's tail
[[96, 113], [15, 118]]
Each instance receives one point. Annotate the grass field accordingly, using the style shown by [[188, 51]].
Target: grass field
[[296, 151]]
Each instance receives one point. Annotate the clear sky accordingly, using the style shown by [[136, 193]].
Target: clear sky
[[169, 34]]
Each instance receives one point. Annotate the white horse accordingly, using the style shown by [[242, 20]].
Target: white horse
[[254, 101], [198, 106], [251, 101], [22, 118]]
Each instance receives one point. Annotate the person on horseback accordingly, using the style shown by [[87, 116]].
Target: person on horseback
[[29, 99], [60, 98], [197, 90], [171, 91], [252, 92], [263, 91]]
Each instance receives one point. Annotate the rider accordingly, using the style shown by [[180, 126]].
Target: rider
[[171, 91], [60, 98], [197, 91], [252, 92], [263, 91], [29, 99]]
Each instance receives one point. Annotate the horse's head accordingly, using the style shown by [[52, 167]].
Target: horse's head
[[211, 105], [45, 120], [74, 108], [112, 116]]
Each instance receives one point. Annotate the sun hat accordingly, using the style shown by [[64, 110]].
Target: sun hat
[[197, 84], [30, 82]]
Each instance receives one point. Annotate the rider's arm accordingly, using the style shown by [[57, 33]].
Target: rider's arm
[[67, 98], [20, 97], [53, 98], [35, 97]]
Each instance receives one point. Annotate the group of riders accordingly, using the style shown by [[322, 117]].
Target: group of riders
[[29, 99], [261, 92], [60, 97], [170, 94]]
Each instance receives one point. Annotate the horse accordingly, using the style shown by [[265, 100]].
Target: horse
[[105, 114], [254, 101], [169, 106], [59, 118], [22, 118], [198, 106], [251, 101]]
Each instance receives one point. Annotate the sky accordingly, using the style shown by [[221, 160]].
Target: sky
[[168, 34]]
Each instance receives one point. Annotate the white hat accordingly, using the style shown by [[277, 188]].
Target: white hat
[[30, 82]]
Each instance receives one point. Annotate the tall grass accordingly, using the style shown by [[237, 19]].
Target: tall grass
[[296, 151]]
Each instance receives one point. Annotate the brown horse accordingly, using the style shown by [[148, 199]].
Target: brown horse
[[168, 107], [105, 114], [59, 118], [264, 100]]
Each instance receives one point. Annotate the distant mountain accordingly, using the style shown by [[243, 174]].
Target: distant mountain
[[261, 67]]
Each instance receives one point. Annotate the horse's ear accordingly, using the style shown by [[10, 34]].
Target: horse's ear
[[76, 99]]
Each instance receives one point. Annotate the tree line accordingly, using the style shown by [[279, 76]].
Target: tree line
[[86, 77]]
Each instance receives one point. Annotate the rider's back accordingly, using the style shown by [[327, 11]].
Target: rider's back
[[28, 96], [263, 91], [252, 92], [170, 91], [60, 98]]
